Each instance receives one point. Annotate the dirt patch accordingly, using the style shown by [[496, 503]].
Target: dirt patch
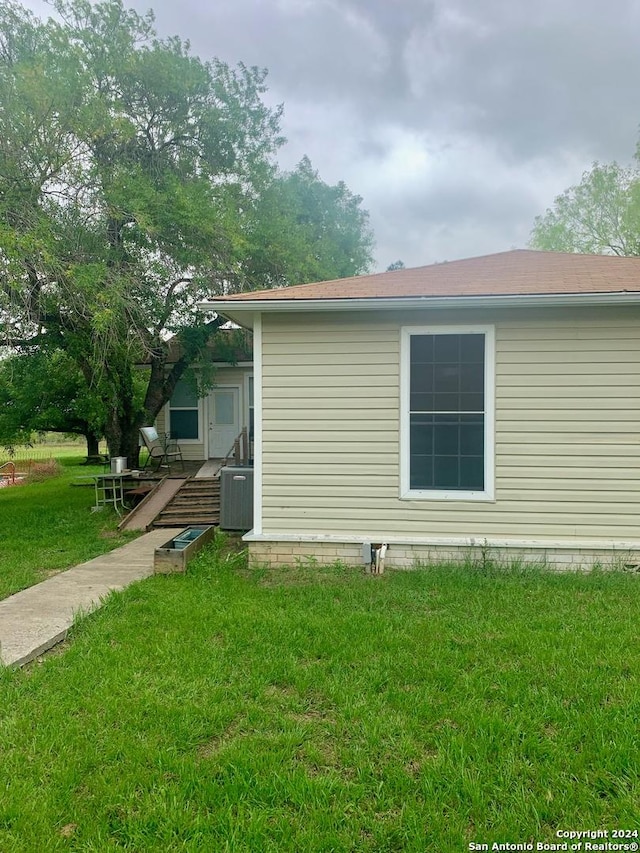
[[28, 471], [110, 534], [38, 471]]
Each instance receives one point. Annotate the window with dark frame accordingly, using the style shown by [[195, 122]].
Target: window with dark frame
[[183, 412], [447, 412]]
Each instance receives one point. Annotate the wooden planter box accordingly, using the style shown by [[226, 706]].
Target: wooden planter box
[[174, 555]]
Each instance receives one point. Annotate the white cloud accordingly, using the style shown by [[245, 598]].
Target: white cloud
[[458, 121]]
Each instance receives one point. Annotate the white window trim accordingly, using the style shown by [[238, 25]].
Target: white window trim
[[406, 492]]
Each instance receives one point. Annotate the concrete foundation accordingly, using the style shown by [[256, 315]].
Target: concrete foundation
[[408, 555]]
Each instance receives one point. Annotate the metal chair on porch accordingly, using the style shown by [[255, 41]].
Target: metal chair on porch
[[163, 450]]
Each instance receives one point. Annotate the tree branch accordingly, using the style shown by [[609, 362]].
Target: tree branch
[[162, 320]]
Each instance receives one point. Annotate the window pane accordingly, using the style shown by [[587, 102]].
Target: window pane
[[446, 403], [472, 348], [446, 439], [422, 349], [421, 472], [447, 348], [445, 472], [470, 403], [458, 385], [225, 414], [422, 379], [422, 403], [184, 424], [472, 439], [421, 434], [472, 377], [472, 472], [184, 396], [446, 377]]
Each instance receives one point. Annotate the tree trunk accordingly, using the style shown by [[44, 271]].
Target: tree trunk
[[132, 449], [122, 439], [113, 430], [123, 421], [93, 449]]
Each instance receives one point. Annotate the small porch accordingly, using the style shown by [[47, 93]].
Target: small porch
[[168, 497], [207, 427]]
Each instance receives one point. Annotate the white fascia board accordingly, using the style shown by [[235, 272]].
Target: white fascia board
[[241, 312]]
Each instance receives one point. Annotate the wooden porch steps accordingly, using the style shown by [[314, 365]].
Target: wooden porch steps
[[196, 502]]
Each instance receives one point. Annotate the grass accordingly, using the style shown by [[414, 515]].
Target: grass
[[42, 451], [46, 524], [319, 709]]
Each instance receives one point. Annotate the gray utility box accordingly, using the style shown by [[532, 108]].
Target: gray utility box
[[236, 498]]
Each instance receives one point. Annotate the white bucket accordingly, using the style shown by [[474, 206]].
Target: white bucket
[[118, 464]]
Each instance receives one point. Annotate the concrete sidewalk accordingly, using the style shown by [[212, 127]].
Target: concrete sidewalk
[[33, 620]]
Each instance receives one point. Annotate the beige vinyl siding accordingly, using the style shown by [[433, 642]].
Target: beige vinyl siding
[[567, 436]]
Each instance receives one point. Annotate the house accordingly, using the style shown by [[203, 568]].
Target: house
[[206, 427], [482, 406]]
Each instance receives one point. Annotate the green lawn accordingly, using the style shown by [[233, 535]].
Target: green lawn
[[47, 526], [51, 448], [319, 709]]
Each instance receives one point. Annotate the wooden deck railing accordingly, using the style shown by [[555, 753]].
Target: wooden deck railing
[[241, 451]]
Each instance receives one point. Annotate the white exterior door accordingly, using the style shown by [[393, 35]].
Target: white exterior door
[[224, 420]]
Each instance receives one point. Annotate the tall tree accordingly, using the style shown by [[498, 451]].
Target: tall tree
[[132, 175], [600, 215], [301, 229], [45, 392], [122, 156]]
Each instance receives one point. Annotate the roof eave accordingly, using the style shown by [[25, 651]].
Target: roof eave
[[242, 312]]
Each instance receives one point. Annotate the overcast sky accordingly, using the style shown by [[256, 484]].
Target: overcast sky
[[457, 121]]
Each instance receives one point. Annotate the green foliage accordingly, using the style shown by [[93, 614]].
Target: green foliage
[[135, 181], [304, 230], [600, 215], [46, 392]]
